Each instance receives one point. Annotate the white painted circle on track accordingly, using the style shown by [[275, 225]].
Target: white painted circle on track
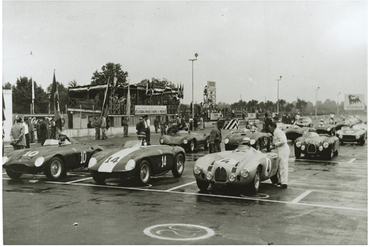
[[179, 232]]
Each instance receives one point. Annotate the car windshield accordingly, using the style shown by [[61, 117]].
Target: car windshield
[[304, 119], [183, 132], [240, 131], [358, 127], [344, 128], [134, 143], [51, 142]]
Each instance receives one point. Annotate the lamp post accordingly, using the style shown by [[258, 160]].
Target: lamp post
[[277, 104], [192, 83], [338, 103], [317, 89]]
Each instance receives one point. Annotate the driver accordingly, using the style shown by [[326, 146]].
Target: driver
[[63, 139]]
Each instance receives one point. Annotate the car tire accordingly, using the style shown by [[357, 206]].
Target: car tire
[[254, 185], [143, 173], [297, 153], [191, 146], [336, 152], [55, 169], [258, 145], [362, 142], [274, 179], [206, 144], [13, 175], [98, 178], [203, 186], [268, 144], [329, 155], [178, 165]]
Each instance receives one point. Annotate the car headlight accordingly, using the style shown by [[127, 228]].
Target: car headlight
[[226, 140], [185, 141], [39, 161], [340, 136], [298, 144], [5, 159], [92, 162], [303, 147], [197, 170], [209, 176], [252, 142], [130, 165], [325, 145], [161, 141], [328, 129], [321, 148], [357, 136], [232, 177], [244, 173]]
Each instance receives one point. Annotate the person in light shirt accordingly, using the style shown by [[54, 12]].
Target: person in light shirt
[[147, 128], [283, 150]]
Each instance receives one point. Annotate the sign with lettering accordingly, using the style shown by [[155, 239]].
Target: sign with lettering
[[150, 109]]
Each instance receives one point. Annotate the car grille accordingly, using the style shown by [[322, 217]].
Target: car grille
[[220, 175], [349, 138], [311, 148]]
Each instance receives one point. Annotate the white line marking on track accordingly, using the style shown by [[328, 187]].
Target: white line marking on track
[[78, 180], [296, 200], [211, 195], [352, 160], [174, 188]]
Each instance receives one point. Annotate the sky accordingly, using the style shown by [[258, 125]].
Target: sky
[[319, 48]]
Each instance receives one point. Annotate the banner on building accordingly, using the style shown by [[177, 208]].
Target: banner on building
[[354, 102], [150, 109]]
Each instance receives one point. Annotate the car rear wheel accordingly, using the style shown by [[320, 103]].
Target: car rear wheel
[[203, 186], [191, 147], [14, 175], [178, 166], [143, 173], [55, 169], [254, 185]]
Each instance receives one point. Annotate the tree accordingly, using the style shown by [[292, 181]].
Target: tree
[[110, 70], [72, 83], [7, 85], [158, 83], [63, 96], [301, 105]]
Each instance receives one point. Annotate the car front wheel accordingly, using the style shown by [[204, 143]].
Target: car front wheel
[[191, 146], [254, 185], [143, 173], [206, 144], [178, 166], [55, 169], [297, 153], [203, 186], [98, 178], [14, 175]]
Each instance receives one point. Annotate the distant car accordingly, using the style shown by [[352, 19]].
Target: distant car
[[189, 140], [243, 169], [292, 132], [313, 144], [52, 159], [326, 128], [304, 122], [137, 161], [258, 140], [355, 134]]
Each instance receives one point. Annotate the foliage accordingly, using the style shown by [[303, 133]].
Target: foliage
[[301, 106], [7, 85], [158, 83], [110, 70], [63, 95], [72, 83]]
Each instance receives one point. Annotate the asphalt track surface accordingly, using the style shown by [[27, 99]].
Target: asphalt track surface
[[325, 203]]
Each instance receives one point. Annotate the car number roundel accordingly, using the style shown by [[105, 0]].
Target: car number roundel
[[112, 161]]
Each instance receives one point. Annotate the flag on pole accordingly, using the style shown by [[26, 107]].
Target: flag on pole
[[128, 102], [54, 101], [33, 97], [105, 107]]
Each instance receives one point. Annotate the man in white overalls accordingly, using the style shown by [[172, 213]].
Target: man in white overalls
[[283, 150]]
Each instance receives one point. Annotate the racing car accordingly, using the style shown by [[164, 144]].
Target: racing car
[[243, 168], [137, 161], [53, 159], [313, 144], [326, 128], [189, 140], [258, 140], [292, 132], [355, 134]]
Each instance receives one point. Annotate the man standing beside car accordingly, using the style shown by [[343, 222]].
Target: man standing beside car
[[283, 150], [215, 137]]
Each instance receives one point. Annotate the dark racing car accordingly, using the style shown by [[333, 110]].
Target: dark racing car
[[137, 162], [53, 159], [313, 144], [258, 140], [189, 140]]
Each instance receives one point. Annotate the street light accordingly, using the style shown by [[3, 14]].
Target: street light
[[277, 104], [192, 82], [338, 103], [317, 89]]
